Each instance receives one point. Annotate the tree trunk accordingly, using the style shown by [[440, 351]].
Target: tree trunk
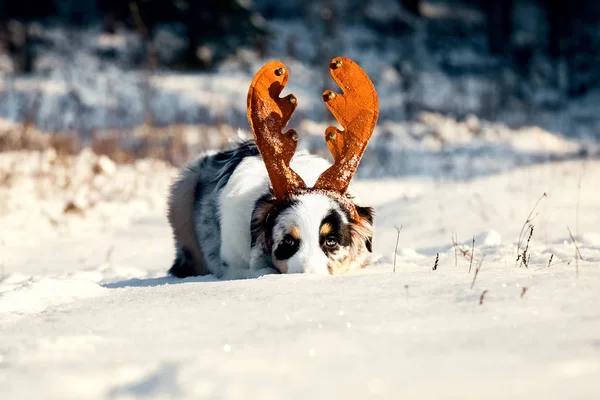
[[499, 25], [19, 47], [196, 20], [559, 15]]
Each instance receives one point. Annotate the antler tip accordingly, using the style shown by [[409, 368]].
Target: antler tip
[[338, 62], [329, 95]]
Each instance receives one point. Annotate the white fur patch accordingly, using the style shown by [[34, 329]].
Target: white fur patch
[[307, 215]]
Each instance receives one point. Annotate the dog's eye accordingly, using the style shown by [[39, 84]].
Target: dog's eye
[[331, 242], [289, 240]]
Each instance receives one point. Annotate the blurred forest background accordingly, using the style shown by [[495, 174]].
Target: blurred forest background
[[169, 77]]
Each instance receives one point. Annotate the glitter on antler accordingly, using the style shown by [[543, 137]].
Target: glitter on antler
[[268, 115], [357, 111]]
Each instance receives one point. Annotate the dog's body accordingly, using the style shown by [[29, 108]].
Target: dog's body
[[225, 221]]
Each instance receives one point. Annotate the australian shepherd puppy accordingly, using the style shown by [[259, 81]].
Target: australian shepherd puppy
[[260, 208], [226, 221]]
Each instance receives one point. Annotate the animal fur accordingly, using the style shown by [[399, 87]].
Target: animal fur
[[226, 221]]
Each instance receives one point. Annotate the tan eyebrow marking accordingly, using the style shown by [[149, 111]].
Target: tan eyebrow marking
[[326, 229], [295, 232]]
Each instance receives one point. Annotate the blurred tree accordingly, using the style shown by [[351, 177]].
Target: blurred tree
[[14, 33], [26, 10], [499, 25], [573, 37], [412, 6], [114, 11], [213, 28], [559, 14], [220, 25], [3, 27]]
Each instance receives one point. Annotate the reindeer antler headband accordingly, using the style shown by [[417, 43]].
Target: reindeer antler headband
[[356, 110]]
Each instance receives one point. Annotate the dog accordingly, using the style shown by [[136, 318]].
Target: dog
[[261, 208]]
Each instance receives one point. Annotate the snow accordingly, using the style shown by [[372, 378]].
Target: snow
[[86, 310], [38, 294]]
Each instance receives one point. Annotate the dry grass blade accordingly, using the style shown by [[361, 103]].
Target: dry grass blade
[[579, 198], [477, 272], [397, 241], [454, 244], [482, 296], [552, 261], [108, 255], [577, 252], [523, 257], [523, 228], [466, 253], [472, 254]]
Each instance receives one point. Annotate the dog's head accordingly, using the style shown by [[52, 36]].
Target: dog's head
[[313, 233], [318, 229]]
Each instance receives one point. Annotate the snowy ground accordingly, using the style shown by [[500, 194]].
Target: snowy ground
[[86, 311]]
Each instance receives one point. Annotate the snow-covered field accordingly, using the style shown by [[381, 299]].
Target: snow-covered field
[[86, 311]]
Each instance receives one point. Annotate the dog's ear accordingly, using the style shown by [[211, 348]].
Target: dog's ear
[[263, 218], [365, 225]]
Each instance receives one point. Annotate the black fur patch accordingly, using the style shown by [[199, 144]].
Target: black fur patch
[[183, 266], [285, 250], [227, 161], [261, 225], [340, 230], [197, 191], [367, 213]]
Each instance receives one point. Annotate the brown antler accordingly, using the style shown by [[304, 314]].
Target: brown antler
[[268, 115], [357, 111]]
